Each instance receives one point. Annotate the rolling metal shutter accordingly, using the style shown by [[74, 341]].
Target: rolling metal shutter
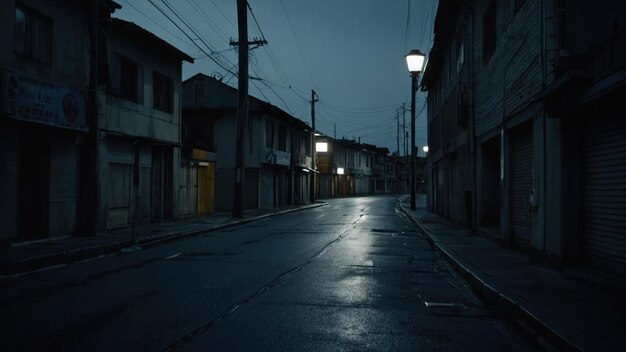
[[457, 185], [604, 197], [63, 170], [521, 174]]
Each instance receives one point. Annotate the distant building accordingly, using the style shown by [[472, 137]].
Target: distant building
[[348, 168], [526, 143], [278, 157]]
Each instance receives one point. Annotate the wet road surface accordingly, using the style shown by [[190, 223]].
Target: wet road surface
[[355, 275]]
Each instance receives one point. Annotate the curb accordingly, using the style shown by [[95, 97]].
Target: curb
[[29, 265], [176, 236], [505, 307]]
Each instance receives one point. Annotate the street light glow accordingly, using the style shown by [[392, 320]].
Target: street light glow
[[340, 171], [425, 149], [415, 61]]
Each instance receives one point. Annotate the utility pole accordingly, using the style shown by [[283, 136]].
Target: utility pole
[[314, 99], [242, 106], [398, 132], [335, 130], [404, 129], [87, 180], [242, 103]]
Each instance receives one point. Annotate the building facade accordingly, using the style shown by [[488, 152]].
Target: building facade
[[139, 118], [277, 146], [503, 160], [43, 120]]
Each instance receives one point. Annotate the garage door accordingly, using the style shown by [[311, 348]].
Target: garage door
[[604, 196], [521, 174]]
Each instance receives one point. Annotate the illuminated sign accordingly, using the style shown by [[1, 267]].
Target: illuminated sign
[[321, 147]]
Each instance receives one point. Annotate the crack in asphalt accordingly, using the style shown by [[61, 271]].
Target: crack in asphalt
[[277, 281]]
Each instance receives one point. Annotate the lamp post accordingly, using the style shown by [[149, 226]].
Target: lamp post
[[415, 63]]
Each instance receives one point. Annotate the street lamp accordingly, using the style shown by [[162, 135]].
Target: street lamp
[[425, 149], [415, 63]]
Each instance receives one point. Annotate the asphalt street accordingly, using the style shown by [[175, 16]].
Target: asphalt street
[[355, 275]]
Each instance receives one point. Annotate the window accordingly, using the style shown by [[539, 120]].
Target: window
[[460, 57], [124, 77], [162, 92], [489, 31], [282, 138], [269, 133], [32, 35]]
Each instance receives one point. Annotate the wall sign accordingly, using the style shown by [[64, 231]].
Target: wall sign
[[31, 99]]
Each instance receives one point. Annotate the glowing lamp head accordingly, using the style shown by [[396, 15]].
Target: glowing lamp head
[[415, 61], [340, 171]]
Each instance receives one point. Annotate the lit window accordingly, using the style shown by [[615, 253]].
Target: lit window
[[321, 147]]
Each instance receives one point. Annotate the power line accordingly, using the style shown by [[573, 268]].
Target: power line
[[210, 22], [255, 21], [406, 31], [298, 46], [157, 23], [189, 37]]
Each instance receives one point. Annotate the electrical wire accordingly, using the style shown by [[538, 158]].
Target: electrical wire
[[406, 30], [210, 22], [189, 37], [159, 24], [306, 64]]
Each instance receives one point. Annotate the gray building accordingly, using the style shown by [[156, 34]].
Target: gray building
[[525, 142], [45, 65], [139, 109], [277, 150]]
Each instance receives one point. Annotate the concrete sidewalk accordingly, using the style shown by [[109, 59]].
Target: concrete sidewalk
[[23, 258], [572, 310]]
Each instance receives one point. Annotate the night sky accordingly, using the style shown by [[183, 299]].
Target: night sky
[[350, 51]]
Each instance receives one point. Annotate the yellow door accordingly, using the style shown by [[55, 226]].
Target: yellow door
[[211, 188], [202, 189], [206, 189]]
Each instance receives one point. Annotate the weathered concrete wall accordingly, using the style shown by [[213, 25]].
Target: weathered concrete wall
[[70, 42], [512, 75]]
